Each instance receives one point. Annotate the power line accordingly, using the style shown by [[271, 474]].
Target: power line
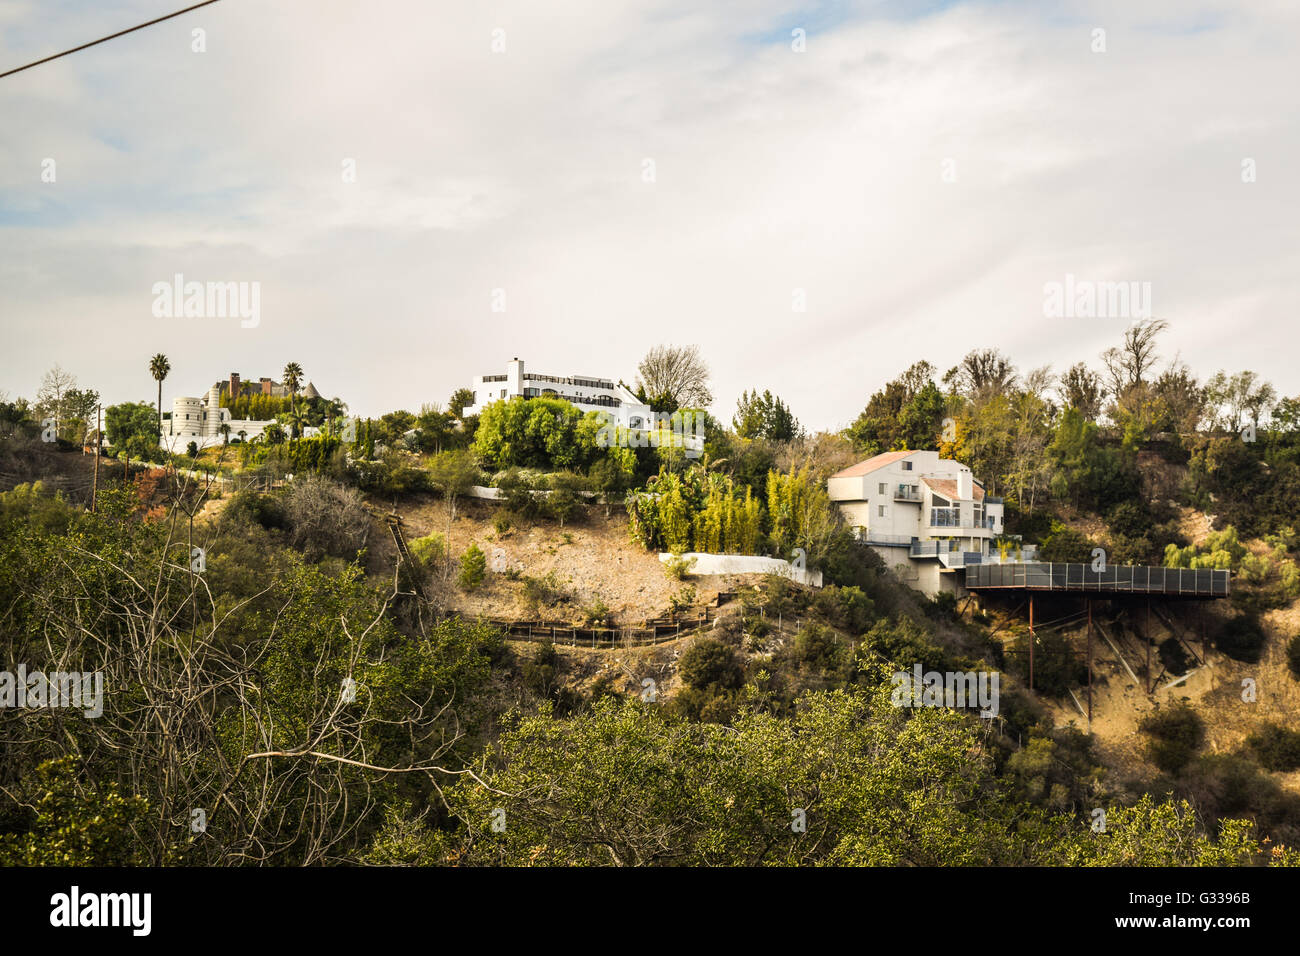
[[112, 36]]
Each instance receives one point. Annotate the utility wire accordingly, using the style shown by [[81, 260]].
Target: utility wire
[[112, 36]]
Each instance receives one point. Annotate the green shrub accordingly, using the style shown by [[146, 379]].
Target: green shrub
[[1277, 747], [473, 568], [818, 648], [710, 664], [677, 567], [1242, 639], [683, 599], [430, 550], [1176, 732]]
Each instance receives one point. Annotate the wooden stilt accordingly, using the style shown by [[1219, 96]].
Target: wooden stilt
[[1089, 665], [1148, 639], [1031, 641]]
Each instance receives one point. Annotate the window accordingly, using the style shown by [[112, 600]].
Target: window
[[881, 510], [503, 393], [907, 466], [884, 487]]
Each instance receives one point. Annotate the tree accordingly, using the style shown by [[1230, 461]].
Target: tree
[[453, 473], [130, 426], [547, 433], [982, 374], [51, 396], [673, 377], [906, 414], [1128, 366], [764, 417], [1080, 388], [292, 379], [473, 568], [1229, 400], [459, 401], [158, 368]]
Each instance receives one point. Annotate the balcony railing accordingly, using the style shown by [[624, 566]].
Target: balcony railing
[[907, 493], [931, 549], [1116, 579]]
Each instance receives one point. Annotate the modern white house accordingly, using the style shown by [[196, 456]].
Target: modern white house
[[589, 393], [927, 517]]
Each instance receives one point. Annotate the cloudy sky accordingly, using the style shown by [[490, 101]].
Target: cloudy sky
[[640, 172]]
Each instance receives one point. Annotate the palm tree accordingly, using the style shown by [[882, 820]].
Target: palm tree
[[158, 368], [292, 379], [225, 433]]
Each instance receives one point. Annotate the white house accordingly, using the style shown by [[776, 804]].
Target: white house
[[926, 516], [199, 420], [588, 393]]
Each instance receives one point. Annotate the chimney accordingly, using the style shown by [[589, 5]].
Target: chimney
[[266, 385], [965, 485], [234, 385]]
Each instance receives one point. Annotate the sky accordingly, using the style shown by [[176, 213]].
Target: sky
[[817, 195]]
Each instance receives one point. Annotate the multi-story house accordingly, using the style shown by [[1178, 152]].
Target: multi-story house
[[587, 392], [926, 516]]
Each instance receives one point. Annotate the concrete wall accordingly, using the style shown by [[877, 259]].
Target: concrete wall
[[747, 564]]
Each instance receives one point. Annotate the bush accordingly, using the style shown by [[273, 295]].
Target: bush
[[1242, 639], [677, 567], [565, 496], [848, 607], [710, 664], [1173, 657], [818, 648], [1176, 733], [1276, 747], [1130, 519], [326, 518], [516, 487], [473, 568], [597, 614], [1293, 657], [683, 599], [545, 591], [1065, 544], [431, 550]]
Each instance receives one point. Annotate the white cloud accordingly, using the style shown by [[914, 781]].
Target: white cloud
[[522, 170]]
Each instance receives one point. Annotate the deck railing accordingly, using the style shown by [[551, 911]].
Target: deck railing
[[1122, 579]]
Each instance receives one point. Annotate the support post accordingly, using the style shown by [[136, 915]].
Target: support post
[[1089, 665], [94, 481], [1148, 640], [1031, 640]]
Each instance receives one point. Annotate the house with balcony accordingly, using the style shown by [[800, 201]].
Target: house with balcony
[[927, 517], [589, 393]]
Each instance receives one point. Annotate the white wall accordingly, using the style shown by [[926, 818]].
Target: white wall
[[747, 564]]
